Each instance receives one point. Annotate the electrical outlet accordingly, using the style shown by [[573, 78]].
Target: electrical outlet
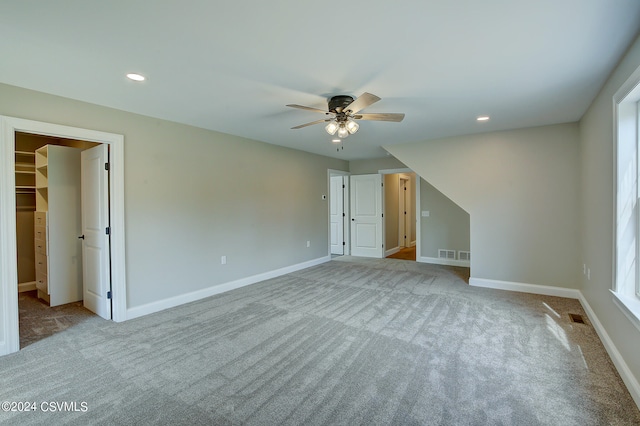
[[308, 243], [223, 260]]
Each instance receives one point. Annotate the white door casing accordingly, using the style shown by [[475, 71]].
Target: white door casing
[[366, 216], [336, 212], [9, 327], [96, 274]]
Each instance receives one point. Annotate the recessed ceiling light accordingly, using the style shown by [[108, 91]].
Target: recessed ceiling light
[[483, 118], [135, 77]]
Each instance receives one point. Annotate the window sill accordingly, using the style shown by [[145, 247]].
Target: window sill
[[629, 306]]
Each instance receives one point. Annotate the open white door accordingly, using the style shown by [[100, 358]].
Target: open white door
[[366, 216], [336, 212], [96, 272]]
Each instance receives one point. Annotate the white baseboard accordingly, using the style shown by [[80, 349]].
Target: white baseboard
[[623, 369], [391, 251], [448, 262], [546, 290], [28, 286], [171, 302]]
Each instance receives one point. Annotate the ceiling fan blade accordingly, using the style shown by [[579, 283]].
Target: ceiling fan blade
[[307, 108], [361, 103], [311, 124], [380, 117]]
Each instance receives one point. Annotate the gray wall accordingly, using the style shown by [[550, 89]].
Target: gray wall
[[596, 167], [363, 167], [447, 226], [193, 195], [521, 190]]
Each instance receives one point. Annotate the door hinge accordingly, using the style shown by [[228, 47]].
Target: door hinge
[[108, 230], [106, 166], [344, 244], [108, 295], [382, 214], [343, 215], [343, 187]]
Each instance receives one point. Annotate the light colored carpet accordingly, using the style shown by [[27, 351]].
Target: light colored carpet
[[351, 341]]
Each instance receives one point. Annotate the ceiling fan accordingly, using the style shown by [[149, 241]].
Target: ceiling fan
[[343, 111]]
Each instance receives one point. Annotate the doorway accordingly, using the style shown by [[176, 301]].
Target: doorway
[[374, 215], [9, 127], [400, 215], [51, 183]]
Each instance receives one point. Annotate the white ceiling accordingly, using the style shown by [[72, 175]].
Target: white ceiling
[[232, 66]]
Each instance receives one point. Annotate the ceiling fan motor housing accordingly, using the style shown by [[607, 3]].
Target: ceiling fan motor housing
[[338, 103]]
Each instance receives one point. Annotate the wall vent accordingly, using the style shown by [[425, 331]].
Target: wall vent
[[446, 254], [464, 255], [577, 318]]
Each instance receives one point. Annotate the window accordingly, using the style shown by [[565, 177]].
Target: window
[[626, 285]]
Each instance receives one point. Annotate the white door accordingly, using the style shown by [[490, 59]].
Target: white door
[[336, 213], [96, 272], [366, 216]]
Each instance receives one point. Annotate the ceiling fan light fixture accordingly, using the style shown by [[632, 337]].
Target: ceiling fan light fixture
[[342, 113], [352, 126], [331, 128]]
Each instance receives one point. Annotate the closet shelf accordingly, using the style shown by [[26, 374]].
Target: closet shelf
[[25, 165]]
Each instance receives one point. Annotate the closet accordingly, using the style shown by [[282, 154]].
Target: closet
[[25, 176], [48, 217]]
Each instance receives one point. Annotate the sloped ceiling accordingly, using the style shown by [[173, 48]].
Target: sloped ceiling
[[233, 66]]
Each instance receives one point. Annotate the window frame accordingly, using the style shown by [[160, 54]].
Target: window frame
[[626, 199]]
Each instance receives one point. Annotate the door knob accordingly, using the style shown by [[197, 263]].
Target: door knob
[[81, 237], [353, 219]]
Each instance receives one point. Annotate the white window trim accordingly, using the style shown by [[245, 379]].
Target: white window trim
[[625, 295], [631, 291], [629, 306]]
